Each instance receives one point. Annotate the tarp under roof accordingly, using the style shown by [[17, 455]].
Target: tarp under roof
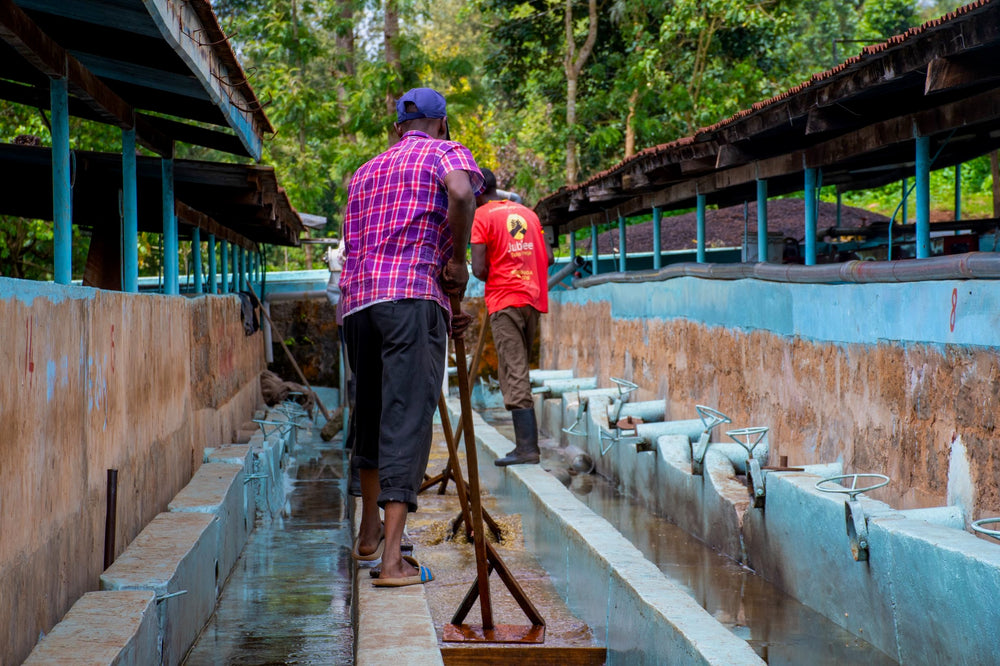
[[855, 122], [122, 56]]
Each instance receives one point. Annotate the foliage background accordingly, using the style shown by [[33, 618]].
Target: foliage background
[[659, 70]]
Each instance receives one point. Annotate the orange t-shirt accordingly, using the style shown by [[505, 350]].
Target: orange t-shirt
[[515, 254]]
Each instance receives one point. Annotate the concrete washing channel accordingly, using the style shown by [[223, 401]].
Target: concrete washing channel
[[156, 597], [915, 585]]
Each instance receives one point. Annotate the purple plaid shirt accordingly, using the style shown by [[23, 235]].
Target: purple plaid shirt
[[396, 227]]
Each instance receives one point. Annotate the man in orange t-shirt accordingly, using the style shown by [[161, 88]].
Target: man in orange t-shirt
[[510, 255]]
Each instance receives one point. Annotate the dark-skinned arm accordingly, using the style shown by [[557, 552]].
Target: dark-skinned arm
[[461, 210], [480, 268]]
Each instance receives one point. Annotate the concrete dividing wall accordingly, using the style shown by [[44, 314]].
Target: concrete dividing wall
[[883, 377], [99, 380]]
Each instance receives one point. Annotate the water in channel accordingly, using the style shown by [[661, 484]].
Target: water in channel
[[780, 629]]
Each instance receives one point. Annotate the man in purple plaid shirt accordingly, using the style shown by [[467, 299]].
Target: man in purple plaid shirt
[[409, 212]]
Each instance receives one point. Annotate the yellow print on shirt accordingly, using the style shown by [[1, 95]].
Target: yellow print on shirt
[[517, 226], [522, 274]]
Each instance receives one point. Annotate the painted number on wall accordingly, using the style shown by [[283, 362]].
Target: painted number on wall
[[954, 304]]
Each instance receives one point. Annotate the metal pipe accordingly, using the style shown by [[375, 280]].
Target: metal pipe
[[224, 272], [657, 243], [212, 287], [196, 260], [621, 243], [981, 265], [558, 387], [650, 411], [700, 199], [110, 518], [923, 178], [650, 432], [572, 243], [810, 221], [840, 207], [171, 270], [577, 458], [130, 215], [62, 188], [761, 220], [593, 247], [537, 377], [567, 270]]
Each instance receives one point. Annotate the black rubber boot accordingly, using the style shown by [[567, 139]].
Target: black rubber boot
[[525, 440]]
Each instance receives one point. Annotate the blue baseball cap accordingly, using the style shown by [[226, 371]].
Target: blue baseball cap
[[430, 104]]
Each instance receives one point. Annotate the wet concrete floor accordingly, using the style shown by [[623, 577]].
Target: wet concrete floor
[[288, 599], [778, 628]]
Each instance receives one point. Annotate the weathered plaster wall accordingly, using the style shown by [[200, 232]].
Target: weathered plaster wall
[[98, 380], [878, 404]]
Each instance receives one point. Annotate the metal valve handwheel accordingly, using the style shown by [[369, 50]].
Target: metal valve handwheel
[[711, 417], [978, 526], [854, 513], [853, 491], [624, 386], [751, 435]]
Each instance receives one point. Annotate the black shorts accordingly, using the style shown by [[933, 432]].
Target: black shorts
[[397, 351]]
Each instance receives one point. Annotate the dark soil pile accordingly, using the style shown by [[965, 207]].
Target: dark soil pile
[[725, 227]]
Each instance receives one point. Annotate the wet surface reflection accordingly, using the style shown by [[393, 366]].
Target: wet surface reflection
[[288, 600]]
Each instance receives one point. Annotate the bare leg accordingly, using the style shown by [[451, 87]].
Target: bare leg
[[371, 527], [393, 565]]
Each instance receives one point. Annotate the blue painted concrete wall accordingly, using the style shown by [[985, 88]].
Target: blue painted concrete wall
[[944, 312]]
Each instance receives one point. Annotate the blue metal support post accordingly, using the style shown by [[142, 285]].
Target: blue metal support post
[[700, 216], [196, 260], [62, 191], [840, 207], [657, 239], [923, 186], [170, 246], [810, 206], [572, 245], [593, 247], [211, 265], [224, 267], [241, 269], [130, 215], [621, 243], [761, 219]]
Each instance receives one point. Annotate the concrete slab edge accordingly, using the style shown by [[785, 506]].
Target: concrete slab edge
[[393, 625]]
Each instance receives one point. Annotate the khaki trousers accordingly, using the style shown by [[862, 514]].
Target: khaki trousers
[[513, 334]]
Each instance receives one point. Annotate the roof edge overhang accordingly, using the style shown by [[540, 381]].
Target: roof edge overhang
[[193, 31]]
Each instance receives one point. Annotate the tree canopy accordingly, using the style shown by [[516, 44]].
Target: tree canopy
[[544, 92]]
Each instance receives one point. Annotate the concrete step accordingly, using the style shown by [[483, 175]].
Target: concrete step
[[114, 628], [175, 553], [219, 489]]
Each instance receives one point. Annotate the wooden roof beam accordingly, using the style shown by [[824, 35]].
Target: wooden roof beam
[[44, 54], [957, 72]]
